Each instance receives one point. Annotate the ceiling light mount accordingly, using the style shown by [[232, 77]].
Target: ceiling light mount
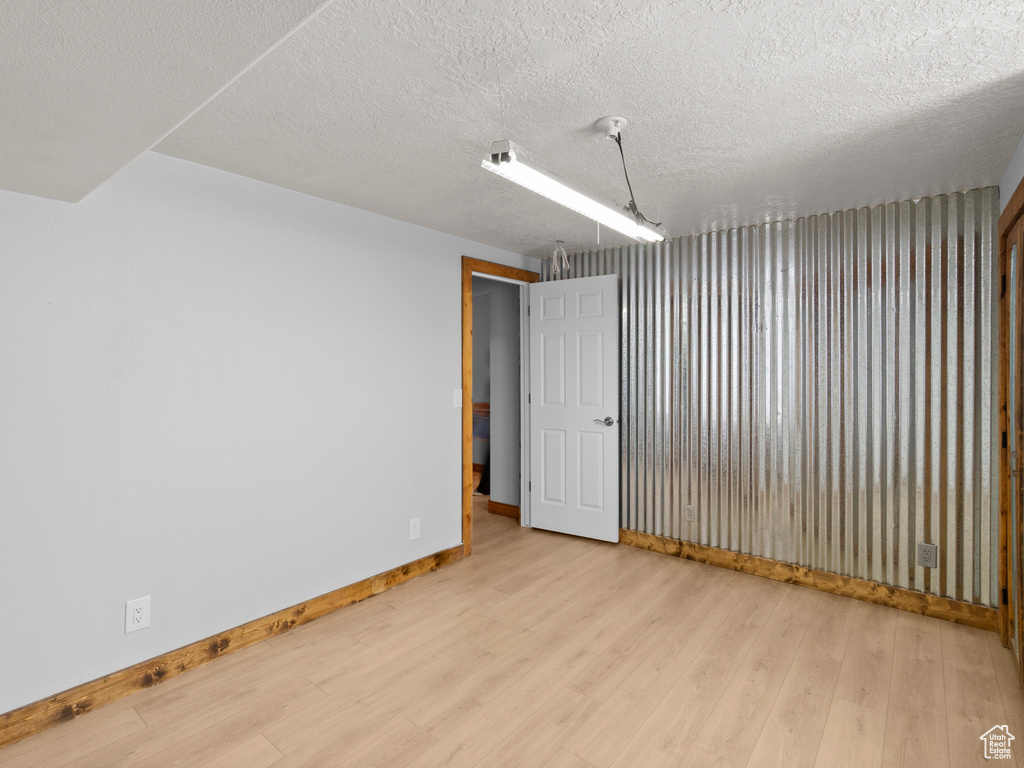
[[611, 126]]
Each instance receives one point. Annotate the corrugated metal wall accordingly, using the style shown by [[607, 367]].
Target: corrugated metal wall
[[820, 390]]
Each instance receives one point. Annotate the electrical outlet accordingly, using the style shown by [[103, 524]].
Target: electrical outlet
[[456, 398], [691, 513], [927, 555], [136, 614], [414, 528]]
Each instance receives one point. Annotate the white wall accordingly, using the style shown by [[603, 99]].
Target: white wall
[[481, 340], [481, 360], [202, 376], [496, 381], [1012, 178], [505, 422]]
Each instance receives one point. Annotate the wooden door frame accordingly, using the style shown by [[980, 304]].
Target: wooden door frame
[[1009, 218], [470, 267]]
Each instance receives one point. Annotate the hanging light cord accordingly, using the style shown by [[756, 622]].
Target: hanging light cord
[[559, 260], [640, 218]]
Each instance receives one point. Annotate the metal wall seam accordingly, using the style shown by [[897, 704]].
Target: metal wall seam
[[820, 390], [919, 345], [970, 564], [953, 506], [906, 524], [988, 395]]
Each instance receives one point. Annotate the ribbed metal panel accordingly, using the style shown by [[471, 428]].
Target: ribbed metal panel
[[821, 390]]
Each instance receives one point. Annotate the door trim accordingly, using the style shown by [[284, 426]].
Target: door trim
[[480, 267], [1007, 221]]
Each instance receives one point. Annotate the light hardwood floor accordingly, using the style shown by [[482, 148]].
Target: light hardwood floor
[[545, 650]]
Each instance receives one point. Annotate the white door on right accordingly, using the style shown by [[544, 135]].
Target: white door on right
[[574, 406]]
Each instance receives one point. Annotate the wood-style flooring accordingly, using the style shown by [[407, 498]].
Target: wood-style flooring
[[547, 650]]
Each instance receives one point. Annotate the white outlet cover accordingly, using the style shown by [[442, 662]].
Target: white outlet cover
[[927, 555], [457, 398], [136, 614], [414, 528]]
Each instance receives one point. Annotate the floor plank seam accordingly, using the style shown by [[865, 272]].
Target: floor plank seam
[[943, 639], [136, 709], [831, 704], [319, 688]]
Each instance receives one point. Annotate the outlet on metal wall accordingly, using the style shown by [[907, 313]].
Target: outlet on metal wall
[[927, 555]]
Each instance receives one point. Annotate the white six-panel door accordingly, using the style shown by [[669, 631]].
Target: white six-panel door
[[574, 406]]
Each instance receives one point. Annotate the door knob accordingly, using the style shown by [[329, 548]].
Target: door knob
[[607, 421]]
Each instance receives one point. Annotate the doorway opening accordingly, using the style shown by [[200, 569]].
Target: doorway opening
[[497, 415], [503, 290]]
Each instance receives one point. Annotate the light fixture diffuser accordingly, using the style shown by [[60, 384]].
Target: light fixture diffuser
[[506, 161]]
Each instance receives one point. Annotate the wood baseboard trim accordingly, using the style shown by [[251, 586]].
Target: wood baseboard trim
[[46, 713], [881, 594], [508, 510]]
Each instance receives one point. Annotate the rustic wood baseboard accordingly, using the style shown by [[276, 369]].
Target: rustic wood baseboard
[[894, 597], [508, 510], [38, 716]]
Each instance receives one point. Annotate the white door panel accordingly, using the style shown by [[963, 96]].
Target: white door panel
[[552, 478], [552, 369], [574, 343]]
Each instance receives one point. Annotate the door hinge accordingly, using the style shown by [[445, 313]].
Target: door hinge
[[1006, 598], [529, 397], [528, 310], [1004, 438], [1003, 294], [529, 487]]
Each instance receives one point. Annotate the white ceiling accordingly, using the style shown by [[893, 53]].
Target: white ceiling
[[88, 86], [739, 110]]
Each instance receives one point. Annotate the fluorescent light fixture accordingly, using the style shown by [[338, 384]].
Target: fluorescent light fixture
[[506, 161]]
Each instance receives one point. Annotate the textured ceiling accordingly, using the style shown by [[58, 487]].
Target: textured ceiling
[[86, 87], [739, 110]]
